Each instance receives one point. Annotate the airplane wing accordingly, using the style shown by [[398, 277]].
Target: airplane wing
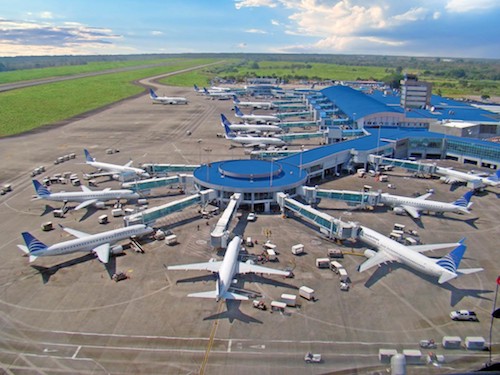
[[379, 258], [102, 252], [425, 196], [412, 211], [128, 164], [86, 203], [75, 232], [247, 268], [207, 266], [101, 174], [85, 189], [430, 247]]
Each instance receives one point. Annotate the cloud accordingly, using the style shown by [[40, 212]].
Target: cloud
[[33, 38], [254, 3], [275, 23], [242, 45], [463, 6], [412, 15], [46, 15], [156, 33], [256, 31]]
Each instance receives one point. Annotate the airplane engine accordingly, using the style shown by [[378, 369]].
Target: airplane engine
[[369, 253], [443, 179], [399, 211], [115, 250], [100, 205]]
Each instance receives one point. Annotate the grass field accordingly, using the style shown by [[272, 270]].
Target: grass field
[[60, 71], [32, 107]]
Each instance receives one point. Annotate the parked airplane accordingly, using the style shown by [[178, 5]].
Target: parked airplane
[[166, 99], [451, 176], [227, 270], [251, 141], [99, 243], [250, 127], [211, 89], [254, 105], [117, 172], [222, 95], [413, 206], [253, 117], [86, 196], [445, 268]]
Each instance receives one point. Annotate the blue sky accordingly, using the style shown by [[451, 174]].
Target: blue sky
[[446, 28]]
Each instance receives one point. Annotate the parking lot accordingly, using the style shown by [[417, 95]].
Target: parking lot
[[64, 314]]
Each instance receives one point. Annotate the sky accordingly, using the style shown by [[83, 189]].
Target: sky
[[444, 28]]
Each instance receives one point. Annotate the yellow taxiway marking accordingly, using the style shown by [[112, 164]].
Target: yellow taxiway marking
[[211, 340]]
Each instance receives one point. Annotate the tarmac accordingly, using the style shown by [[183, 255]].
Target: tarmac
[[64, 315]]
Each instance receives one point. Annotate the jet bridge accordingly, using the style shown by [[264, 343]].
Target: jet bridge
[[357, 198], [220, 235], [297, 124], [293, 114], [164, 169], [413, 166], [296, 136], [150, 215], [154, 183], [328, 225]]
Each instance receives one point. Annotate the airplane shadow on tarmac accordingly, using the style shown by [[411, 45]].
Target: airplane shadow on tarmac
[[456, 294], [233, 311], [48, 272]]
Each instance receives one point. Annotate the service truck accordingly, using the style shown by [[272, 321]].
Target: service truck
[[307, 293]]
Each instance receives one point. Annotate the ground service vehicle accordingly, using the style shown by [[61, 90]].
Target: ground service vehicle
[[312, 358], [464, 315]]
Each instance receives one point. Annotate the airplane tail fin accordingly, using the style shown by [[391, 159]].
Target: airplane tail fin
[[152, 94], [495, 177], [451, 261], [40, 189], [225, 123], [237, 111], [205, 91], [32, 245], [87, 155], [464, 201], [196, 88], [236, 100]]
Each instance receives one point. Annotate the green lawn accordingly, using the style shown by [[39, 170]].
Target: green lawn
[[32, 107], [32, 74]]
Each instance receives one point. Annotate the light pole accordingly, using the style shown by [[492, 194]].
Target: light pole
[[300, 163], [199, 149]]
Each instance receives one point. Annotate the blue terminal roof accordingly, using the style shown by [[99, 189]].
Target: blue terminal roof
[[371, 141], [358, 104], [250, 175]]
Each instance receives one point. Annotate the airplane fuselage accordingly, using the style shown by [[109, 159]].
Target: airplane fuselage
[[87, 244], [420, 204], [401, 253], [465, 177], [228, 267], [116, 168], [102, 196]]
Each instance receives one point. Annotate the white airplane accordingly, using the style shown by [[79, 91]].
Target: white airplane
[[251, 141], [254, 105], [221, 95], [250, 128], [166, 99], [445, 268], [256, 118], [451, 176], [413, 206], [99, 243], [117, 172], [86, 196], [211, 89], [227, 270]]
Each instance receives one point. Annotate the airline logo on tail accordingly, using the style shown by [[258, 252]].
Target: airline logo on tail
[[33, 246], [451, 261], [152, 94], [238, 112], [196, 88], [225, 123], [87, 155], [40, 189], [236, 100], [465, 200]]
